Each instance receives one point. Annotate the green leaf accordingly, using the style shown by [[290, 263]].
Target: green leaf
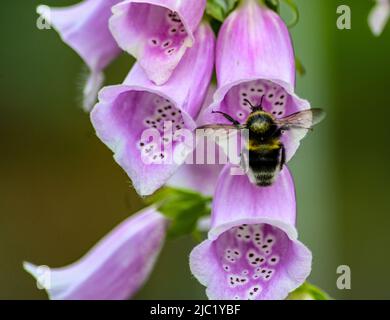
[[183, 207], [300, 67], [308, 292], [215, 10], [220, 9], [230, 4], [168, 192], [185, 221]]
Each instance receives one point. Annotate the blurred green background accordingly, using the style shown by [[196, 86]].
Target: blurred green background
[[60, 190]]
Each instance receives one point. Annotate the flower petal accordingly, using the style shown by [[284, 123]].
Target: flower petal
[[266, 50], [275, 205], [156, 32], [125, 112], [252, 251], [263, 66], [84, 27], [379, 16], [116, 267]]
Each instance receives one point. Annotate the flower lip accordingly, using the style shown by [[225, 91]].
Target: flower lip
[[222, 92], [189, 42], [123, 135], [287, 228], [142, 97], [251, 261], [156, 32], [190, 123], [227, 99]]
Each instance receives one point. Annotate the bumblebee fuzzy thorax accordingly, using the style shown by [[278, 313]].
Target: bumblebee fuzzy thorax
[[260, 123]]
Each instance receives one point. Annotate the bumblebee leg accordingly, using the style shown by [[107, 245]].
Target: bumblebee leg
[[228, 117], [283, 158]]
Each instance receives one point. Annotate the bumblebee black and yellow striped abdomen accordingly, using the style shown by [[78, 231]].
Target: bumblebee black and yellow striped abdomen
[[265, 161]]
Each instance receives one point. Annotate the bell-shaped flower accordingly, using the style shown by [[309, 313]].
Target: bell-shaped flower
[[84, 27], [157, 32], [115, 268], [255, 62], [129, 115], [252, 251], [379, 16]]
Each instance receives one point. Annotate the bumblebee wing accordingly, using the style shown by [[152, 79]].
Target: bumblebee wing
[[296, 126], [306, 119]]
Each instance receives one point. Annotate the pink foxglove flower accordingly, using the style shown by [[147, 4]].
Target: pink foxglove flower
[[252, 251], [255, 58], [125, 111], [157, 32], [379, 16], [84, 27], [115, 268]]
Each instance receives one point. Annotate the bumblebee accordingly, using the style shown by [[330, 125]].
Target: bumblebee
[[266, 153]]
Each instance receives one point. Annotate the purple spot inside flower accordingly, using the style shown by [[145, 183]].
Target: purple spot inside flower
[[254, 92], [169, 35]]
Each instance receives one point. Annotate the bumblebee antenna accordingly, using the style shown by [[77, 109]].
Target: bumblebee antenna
[[261, 102], [254, 108], [250, 103]]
